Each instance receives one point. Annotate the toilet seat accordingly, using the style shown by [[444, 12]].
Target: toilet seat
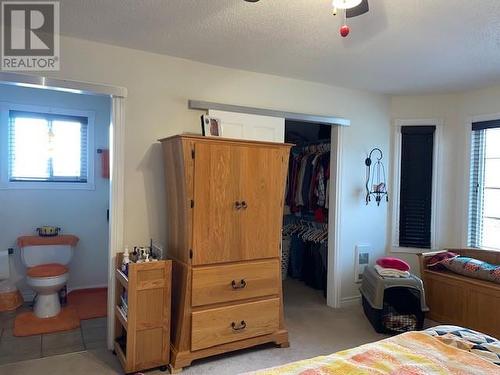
[[47, 270]]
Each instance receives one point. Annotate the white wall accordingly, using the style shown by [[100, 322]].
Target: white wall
[[78, 212], [159, 87], [454, 110]]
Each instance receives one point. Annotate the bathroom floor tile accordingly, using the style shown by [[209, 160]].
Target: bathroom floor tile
[[94, 337], [7, 318], [92, 323], [93, 345], [62, 342], [14, 349]]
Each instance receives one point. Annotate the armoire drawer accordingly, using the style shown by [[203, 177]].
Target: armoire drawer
[[235, 282], [221, 325]]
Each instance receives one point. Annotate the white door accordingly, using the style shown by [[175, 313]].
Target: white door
[[251, 127]]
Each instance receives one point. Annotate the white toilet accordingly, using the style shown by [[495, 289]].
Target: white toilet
[[47, 274]]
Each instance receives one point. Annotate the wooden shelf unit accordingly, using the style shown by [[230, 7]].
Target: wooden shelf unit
[[142, 337]]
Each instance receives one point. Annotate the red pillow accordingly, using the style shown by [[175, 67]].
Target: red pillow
[[394, 263]]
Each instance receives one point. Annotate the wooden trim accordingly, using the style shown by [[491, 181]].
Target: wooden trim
[[120, 276], [464, 279], [200, 138], [122, 318], [119, 353]]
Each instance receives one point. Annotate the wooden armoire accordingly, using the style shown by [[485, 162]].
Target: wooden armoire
[[224, 213]]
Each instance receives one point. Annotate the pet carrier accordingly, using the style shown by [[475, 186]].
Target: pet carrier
[[392, 304]]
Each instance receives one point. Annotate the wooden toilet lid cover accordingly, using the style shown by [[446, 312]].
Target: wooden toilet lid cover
[[47, 270]]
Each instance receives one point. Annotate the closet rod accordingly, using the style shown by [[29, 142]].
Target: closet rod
[[312, 143], [290, 219]]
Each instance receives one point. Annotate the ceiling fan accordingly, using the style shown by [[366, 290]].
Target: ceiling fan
[[348, 8]]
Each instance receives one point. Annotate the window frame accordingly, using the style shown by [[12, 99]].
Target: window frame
[[396, 182], [5, 182], [467, 178]]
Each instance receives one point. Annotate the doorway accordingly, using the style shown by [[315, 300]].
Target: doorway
[[113, 192], [309, 214]]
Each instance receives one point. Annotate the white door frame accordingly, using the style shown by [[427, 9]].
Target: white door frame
[[334, 275], [116, 144]]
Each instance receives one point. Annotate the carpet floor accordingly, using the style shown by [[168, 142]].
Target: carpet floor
[[314, 329]]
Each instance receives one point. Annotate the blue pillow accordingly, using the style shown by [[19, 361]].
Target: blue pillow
[[474, 268]]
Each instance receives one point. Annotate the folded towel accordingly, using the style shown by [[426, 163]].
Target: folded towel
[[390, 272], [393, 263]]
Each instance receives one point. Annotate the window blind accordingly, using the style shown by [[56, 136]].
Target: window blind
[[47, 147], [484, 189], [476, 196], [415, 210]]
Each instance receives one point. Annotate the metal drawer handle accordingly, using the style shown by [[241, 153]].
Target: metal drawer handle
[[239, 327], [244, 205], [241, 285], [237, 205]]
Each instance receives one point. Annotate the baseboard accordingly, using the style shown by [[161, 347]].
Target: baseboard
[[350, 301], [87, 287], [28, 294]]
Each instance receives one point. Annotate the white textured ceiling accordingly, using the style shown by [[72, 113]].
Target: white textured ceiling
[[401, 46]]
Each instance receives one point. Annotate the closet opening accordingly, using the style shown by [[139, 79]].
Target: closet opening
[[308, 198]]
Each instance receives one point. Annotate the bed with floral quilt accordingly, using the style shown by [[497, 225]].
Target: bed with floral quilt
[[440, 350]]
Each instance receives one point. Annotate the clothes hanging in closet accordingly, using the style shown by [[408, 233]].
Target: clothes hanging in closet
[[308, 260], [308, 180]]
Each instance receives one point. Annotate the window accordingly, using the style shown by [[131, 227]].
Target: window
[[47, 147], [415, 196], [416, 185], [484, 197]]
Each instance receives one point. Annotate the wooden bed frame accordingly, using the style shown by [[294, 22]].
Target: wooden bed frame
[[461, 300]]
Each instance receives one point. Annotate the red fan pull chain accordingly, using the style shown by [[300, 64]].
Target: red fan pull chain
[[344, 29]]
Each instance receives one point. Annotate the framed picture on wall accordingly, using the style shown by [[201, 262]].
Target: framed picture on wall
[[211, 126]]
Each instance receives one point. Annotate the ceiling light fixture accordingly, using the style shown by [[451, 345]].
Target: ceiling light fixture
[[347, 8], [345, 4]]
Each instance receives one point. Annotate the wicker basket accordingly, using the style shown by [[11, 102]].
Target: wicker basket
[[10, 300]]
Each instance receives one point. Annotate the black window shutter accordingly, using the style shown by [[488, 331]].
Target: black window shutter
[[415, 208]]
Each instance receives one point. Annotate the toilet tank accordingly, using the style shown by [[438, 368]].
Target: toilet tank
[[44, 254]]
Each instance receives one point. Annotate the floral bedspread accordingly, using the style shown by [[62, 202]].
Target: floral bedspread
[[411, 353]]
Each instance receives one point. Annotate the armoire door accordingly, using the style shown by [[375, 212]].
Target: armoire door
[[238, 193], [216, 216], [262, 188]]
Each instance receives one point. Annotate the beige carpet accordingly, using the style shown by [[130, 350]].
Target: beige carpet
[[314, 330]]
